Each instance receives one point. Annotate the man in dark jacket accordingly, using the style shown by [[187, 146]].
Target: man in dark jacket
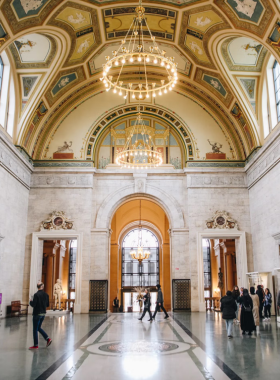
[[159, 303], [228, 308], [39, 303], [260, 294]]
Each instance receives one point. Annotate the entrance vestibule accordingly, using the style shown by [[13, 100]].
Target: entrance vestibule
[[127, 273], [59, 262]]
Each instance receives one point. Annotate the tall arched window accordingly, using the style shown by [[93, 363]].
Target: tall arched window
[[1, 72], [7, 95], [134, 273], [276, 78]]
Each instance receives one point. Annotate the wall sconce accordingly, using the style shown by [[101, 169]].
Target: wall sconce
[[217, 290]]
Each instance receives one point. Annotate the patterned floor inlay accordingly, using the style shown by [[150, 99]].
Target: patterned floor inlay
[[139, 347]]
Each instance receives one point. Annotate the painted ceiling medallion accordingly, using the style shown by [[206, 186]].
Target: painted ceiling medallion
[[139, 151], [133, 54], [221, 219]]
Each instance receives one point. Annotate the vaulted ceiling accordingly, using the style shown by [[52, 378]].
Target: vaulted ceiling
[[57, 49]]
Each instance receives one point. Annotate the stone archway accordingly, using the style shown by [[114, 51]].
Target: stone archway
[[101, 233]]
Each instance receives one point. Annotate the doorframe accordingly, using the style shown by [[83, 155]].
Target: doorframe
[[36, 266], [241, 257]]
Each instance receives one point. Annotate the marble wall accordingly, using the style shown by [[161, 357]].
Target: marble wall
[[263, 173], [14, 191], [90, 197]]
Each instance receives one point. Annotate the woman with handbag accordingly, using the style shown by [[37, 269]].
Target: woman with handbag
[[147, 305], [246, 320]]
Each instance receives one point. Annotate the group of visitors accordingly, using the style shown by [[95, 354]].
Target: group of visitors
[[247, 309], [147, 304]]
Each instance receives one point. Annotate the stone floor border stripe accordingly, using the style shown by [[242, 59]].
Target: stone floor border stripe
[[229, 372], [48, 372]]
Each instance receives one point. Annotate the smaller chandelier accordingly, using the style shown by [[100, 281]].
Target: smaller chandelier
[[133, 55], [140, 255], [139, 151]]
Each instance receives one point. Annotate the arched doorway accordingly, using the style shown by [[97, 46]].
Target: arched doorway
[[125, 272]]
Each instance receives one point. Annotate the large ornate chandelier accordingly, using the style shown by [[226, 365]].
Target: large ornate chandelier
[[140, 254], [133, 54], [139, 151]]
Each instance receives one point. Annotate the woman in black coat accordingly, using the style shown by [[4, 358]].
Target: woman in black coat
[[228, 309], [246, 320], [147, 305]]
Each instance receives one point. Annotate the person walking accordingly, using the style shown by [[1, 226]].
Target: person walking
[[39, 303], [236, 295], [116, 305], [228, 309], [260, 294], [246, 319], [147, 306], [256, 305], [267, 305], [159, 303]]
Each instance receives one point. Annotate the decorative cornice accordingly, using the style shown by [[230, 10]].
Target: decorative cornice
[[264, 160], [224, 180], [13, 162], [62, 180]]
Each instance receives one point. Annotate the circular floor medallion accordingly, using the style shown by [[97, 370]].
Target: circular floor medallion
[[138, 347]]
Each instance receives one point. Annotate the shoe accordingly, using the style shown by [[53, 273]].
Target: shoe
[[237, 321], [33, 348], [230, 337], [250, 333], [150, 320], [265, 319], [243, 332], [139, 319], [166, 317], [49, 342]]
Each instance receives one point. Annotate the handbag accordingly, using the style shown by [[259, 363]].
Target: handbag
[[247, 308]]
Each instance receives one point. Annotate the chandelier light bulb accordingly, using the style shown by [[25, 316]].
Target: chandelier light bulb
[[170, 88], [154, 94], [116, 63], [162, 63], [133, 96], [123, 60], [139, 59], [140, 96], [106, 85], [147, 59], [131, 59], [168, 66], [155, 61], [160, 93], [120, 93], [165, 91], [115, 91]]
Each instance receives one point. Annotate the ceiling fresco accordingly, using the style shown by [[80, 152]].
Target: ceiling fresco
[[198, 25], [161, 22], [33, 51], [222, 77], [243, 54]]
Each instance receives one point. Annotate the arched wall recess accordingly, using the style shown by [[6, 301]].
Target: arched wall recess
[[120, 115], [253, 120], [61, 46]]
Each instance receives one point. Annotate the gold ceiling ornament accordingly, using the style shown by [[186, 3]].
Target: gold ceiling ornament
[[140, 254], [132, 53], [139, 151]]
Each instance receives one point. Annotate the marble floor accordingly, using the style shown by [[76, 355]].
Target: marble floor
[[186, 346]]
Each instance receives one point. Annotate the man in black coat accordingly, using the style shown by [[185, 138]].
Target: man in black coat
[[39, 303], [228, 308], [159, 303]]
